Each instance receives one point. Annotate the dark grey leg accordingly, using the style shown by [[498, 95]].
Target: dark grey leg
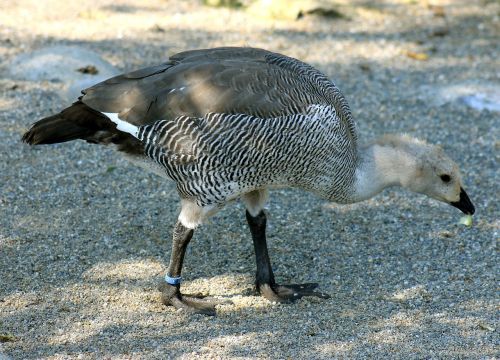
[[170, 293], [180, 240], [257, 226], [264, 280]]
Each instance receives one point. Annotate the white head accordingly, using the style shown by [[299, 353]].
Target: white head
[[425, 169]]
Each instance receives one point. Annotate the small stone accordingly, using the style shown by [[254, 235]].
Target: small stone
[[89, 69], [486, 326], [7, 337]]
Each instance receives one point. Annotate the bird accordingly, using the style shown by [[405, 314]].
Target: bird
[[232, 123]]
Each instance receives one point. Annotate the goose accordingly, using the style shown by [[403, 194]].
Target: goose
[[231, 123]]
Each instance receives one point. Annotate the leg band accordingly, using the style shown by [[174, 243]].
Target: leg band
[[172, 280]]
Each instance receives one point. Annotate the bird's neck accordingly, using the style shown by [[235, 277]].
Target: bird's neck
[[381, 166]]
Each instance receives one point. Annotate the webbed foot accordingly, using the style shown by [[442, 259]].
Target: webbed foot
[[171, 296], [289, 293]]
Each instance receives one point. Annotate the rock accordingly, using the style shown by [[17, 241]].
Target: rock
[[68, 65], [480, 96], [483, 101]]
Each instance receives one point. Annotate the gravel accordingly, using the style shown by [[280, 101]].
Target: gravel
[[84, 236]]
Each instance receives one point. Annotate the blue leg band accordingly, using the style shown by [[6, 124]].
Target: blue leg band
[[172, 280]]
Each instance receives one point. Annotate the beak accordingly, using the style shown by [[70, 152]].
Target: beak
[[464, 204]]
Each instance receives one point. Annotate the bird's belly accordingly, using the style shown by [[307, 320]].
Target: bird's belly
[[147, 164]]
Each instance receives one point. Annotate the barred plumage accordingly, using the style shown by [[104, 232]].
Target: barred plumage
[[247, 119], [216, 158], [233, 122]]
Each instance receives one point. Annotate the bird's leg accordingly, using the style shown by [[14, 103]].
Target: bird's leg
[[170, 288], [265, 278]]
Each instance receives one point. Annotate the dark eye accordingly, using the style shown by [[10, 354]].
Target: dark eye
[[446, 178]]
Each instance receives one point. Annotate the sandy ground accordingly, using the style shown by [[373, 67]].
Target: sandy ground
[[84, 236]]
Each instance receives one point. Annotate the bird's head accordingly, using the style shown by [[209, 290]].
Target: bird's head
[[436, 175]]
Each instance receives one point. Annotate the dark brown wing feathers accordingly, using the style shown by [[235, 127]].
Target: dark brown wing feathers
[[192, 83]]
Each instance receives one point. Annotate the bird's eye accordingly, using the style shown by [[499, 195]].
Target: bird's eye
[[446, 178]]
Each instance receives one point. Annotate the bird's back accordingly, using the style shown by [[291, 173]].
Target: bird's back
[[228, 120]]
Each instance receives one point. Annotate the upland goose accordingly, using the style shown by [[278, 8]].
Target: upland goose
[[230, 123]]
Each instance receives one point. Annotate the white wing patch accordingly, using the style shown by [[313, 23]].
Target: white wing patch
[[122, 125]]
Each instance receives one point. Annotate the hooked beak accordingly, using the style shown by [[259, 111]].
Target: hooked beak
[[464, 204]]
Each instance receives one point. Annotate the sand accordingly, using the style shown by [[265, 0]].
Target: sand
[[85, 236]]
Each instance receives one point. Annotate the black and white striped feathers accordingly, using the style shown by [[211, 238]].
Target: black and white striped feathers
[[219, 156], [222, 122]]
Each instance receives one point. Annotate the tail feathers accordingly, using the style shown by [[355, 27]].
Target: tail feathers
[[54, 129], [76, 122]]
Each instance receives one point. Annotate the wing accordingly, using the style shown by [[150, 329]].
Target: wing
[[222, 80], [229, 80]]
